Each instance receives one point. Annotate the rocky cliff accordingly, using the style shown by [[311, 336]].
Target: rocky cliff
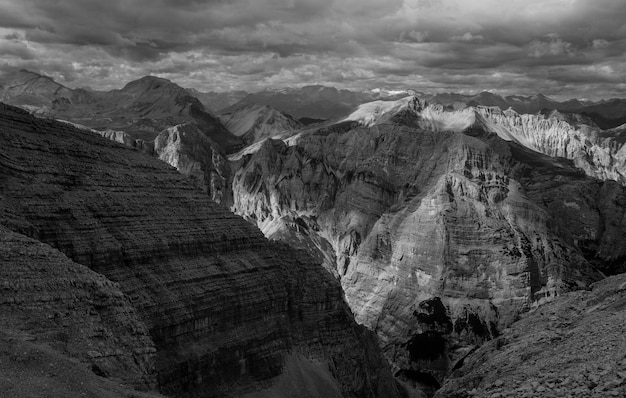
[[572, 347], [441, 232], [227, 312], [599, 154]]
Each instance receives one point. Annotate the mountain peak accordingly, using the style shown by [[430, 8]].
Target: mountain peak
[[150, 83]]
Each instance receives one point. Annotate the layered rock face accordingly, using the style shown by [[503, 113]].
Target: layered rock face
[[442, 233], [51, 299], [227, 311], [254, 123], [559, 136], [572, 347]]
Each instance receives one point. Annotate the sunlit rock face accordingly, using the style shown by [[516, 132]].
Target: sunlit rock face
[[442, 231], [202, 303], [600, 154]]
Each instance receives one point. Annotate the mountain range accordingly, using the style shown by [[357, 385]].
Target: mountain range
[[443, 219]]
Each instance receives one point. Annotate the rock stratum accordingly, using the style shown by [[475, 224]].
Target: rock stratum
[[114, 261], [441, 228]]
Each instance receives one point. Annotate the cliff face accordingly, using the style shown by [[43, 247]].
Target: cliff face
[[559, 136], [442, 233], [225, 309]]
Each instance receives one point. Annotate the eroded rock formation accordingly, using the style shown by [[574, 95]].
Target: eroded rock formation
[[441, 231], [226, 310]]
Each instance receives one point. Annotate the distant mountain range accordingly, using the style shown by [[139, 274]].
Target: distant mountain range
[[316, 102], [42, 95], [143, 108], [327, 103]]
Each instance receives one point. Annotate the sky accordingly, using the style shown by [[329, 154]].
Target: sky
[[562, 48]]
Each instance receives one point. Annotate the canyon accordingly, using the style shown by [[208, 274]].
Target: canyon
[[444, 220], [442, 226], [116, 261]]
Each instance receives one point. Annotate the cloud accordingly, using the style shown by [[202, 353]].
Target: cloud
[[525, 45], [553, 45]]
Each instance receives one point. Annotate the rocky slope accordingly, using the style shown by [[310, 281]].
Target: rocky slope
[[227, 312], [254, 123], [440, 231], [572, 347], [47, 299]]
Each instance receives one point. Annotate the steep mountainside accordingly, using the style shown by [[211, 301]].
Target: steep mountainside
[[48, 299], [254, 123], [227, 312], [441, 232], [572, 347]]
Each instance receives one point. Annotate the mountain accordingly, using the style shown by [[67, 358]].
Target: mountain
[[115, 264], [535, 103], [36, 92], [254, 123], [142, 109], [145, 107], [488, 99], [556, 134], [605, 114], [315, 102], [216, 101], [443, 227], [565, 348], [142, 115]]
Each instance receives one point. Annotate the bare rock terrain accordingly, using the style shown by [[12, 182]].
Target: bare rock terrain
[[223, 308], [571, 347], [441, 231]]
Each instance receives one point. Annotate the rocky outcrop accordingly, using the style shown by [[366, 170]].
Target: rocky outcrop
[[225, 308], [570, 347], [192, 153], [442, 232], [254, 123], [186, 148]]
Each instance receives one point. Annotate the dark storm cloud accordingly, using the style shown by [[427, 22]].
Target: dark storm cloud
[[522, 45]]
